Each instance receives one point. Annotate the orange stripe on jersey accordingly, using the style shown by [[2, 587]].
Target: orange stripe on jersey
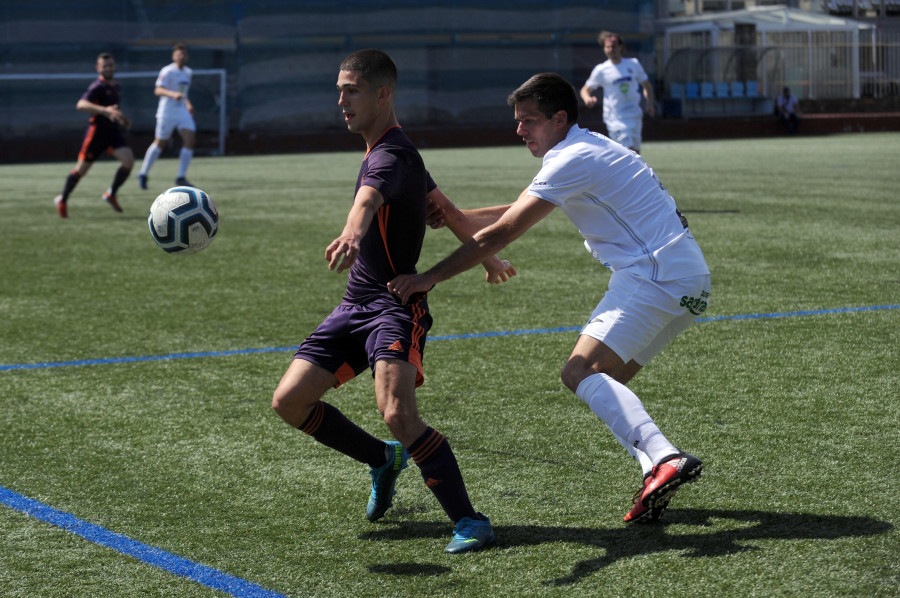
[[428, 447], [380, 137], [383, 214], [88, 138]]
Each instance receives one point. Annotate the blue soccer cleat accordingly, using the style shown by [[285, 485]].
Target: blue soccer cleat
[[471, 535], [142, 180], [383, 480]]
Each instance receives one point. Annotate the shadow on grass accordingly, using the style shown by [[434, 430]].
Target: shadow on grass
[[698, 532]]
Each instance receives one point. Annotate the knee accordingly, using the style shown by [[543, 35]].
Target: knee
[[575, 371], [569, 378], [404, 425], [288, 408], [279, 402], [393, 419]]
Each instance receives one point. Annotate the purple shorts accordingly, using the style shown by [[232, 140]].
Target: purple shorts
[[98, 140], [354, 337]]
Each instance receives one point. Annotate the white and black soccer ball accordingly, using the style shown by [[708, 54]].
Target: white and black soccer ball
[[183, 220]]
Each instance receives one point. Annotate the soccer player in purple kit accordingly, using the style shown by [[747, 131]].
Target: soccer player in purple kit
[[371, 328], [105, 134]]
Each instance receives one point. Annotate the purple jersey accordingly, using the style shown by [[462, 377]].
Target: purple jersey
[[104, 93], [393, 242]]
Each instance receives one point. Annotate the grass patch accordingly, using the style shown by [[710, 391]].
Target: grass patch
[[795, 417]]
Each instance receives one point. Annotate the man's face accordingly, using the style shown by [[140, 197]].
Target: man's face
[[540, 133], [106, 67], [180, 57], [612, 48], [358, 101]]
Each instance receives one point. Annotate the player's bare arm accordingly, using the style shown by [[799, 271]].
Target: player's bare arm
[[343, 251], [648, 95], [587, 95], [497, 270], [521, 215], [111, 112], [162, 91]]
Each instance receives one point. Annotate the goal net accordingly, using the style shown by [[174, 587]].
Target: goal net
[[41, 104]]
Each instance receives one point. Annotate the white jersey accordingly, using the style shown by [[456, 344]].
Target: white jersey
[[621, 84], [627, 218], [174, 79]]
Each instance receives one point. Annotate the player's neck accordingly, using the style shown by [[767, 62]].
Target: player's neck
[[379, 128]]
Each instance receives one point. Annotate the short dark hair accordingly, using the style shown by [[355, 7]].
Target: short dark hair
[[180, 46], [552, 94], [104, 56], [374, 66], [604, 35]]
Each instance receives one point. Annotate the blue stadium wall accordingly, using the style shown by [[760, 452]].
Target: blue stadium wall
[[457, 60]]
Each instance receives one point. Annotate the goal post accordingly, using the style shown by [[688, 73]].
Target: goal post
[[34, 100]]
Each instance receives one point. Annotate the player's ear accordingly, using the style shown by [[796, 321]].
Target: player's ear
[[384, 93], [560, 118]]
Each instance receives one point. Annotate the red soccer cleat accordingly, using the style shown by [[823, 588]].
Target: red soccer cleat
[[641, 514], [111, 200], [665, 479], [61, 207]]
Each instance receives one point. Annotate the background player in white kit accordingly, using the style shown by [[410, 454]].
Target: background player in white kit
[[621, 80], [660, 281], [174, 112]]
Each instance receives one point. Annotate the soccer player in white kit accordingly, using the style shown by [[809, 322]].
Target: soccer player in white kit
[[621, 80], [173, 112], [660, 282]]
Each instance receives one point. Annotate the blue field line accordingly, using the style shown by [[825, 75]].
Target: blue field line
[[157, 557], [60, 364]]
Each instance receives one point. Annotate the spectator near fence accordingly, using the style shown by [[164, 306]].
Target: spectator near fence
[[787, 109]]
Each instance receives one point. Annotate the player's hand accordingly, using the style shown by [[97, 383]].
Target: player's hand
[[498, 270], [114, 114], [341, 253], [407, 285], [435, 215]]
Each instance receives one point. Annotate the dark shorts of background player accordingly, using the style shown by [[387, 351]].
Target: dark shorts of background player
[[355, 337], [98, 140]]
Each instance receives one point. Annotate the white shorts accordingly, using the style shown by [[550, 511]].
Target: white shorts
[[638, 317], [629, 136], [167, 123]]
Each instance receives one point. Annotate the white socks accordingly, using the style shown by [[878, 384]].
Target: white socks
[[184, 160], [150, 157], [153, 152], [622, 411]]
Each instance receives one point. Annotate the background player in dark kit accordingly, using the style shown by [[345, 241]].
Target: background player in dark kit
[[105, 134]]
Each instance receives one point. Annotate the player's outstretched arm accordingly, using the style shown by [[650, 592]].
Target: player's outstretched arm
[[522, 215], [443, 212], [343, 251], [111, 112], [587, 96]]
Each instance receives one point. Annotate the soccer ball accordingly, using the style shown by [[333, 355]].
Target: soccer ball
[[183, 220]]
